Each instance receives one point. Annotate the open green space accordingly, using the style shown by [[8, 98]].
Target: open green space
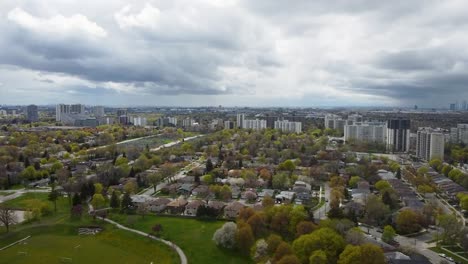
[[193, 236], [5, 193], [450, 254], [61, 243], [22, 201]]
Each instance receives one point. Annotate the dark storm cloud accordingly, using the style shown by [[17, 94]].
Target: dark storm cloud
[[420, 59]]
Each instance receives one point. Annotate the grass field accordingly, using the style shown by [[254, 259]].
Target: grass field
[[52, 244], [5, 193], [21, 202], [193, 236], [450, 254]]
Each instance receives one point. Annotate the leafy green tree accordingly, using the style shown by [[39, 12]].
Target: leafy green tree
[[364, 254], [388, 234], [98, 201], [318, 257], [53, 196], [76, 199], [408, 222], [325, 239], [436, 164], [382, 185], [452, 228], [114, 201], [154, 179], [354, 181], [244, 238], [126, 202]]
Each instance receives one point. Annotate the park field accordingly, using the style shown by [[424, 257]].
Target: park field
[[62, 244], [193, 236]]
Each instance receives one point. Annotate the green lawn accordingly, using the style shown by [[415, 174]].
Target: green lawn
[[49, 244], [193, 236], [5, 193], [21, 202], [448, 253]]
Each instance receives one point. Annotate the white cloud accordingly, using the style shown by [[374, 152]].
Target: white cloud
[[57, 25], [147, 18]]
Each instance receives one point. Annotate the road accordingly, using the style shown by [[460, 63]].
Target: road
[[321, 213], [173, 143], [418, 243], [123, 142]]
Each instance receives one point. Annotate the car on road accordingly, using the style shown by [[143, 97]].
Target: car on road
[[442, 255]]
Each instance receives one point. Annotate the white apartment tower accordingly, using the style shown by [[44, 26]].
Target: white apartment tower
[[430, 144], [61, 109], [286, 126], [240, 120], [368, 132]]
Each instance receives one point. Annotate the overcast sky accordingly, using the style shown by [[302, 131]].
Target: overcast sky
[[234, 52]]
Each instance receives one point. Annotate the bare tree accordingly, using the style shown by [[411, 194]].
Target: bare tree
[[7, 217]]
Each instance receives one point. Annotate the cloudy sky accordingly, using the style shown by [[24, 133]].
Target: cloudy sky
[[234, 52]]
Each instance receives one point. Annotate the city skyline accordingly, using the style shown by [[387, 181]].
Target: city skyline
[[233, 53]]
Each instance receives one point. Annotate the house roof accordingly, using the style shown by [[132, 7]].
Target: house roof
[[177, 203]]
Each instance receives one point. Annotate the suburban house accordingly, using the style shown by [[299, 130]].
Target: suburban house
[[233, 209], [158, 205], [217, 205], [177, 206], [201, 190], [192, 207]]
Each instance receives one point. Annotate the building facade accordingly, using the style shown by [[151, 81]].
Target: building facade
[[286, 126], [459, 134], [368, 132], [430, 144], [240, 120], [398, 135], [32, 114], [61, 109], [255, 124]]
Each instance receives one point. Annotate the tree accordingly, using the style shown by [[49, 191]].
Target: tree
[[114, 201], [282, 250], [260, 250], [304, 228], [354, 181], [280, 181], [154, 179], [76, 199], [209, 165], [131, 187], [98, 201], [355, 236], [244, 238], [382, 185], [7, 217], [289, 259], [226, 235], [126, 202], [132, 173], [451, 227], [53, 196], [273, 242], [257, 224], [388, 234], [398, 173], [318, 257], [408, 222], [376, 210], [364, 254], [325, 239], [142, 209], [436, 164], [288, 165]]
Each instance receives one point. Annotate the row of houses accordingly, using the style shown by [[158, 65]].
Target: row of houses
[[182, 206]]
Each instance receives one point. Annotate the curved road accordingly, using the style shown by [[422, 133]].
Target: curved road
[[183, 258]]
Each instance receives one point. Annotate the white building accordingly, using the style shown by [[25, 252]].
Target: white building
[[336, 122], [240, 120], [430, 144], [188, 122], [61, 109], [255, 124], [138, 121], [77, 109], [459, 134], [287, 126], [368, 132]]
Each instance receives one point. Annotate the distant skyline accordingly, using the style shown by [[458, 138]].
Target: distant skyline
[[234, 53]]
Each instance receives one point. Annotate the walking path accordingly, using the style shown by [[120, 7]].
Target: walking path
[[183, 258]]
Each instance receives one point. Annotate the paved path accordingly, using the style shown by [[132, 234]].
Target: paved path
[[173, 143], [321, 213], [123, 142], [183, 258]]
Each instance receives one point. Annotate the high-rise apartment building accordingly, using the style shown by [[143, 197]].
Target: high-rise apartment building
[[286, 126], [368, 132], [61, 109], [430, 144], [459, 134], [240, 120], [398, 135], [32, 114], [255, 124], [77, 109]]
